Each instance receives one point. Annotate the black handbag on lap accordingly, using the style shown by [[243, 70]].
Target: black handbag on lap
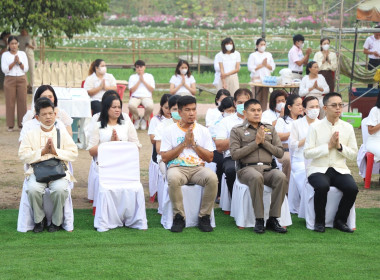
[[51, 169]]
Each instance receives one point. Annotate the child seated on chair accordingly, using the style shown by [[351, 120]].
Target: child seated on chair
[[141, 86], [39, 144]]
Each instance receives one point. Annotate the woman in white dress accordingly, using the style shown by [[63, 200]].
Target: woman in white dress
[[111, 126], [97, 83], [327, 62], [297, 139], [261, 64], [213, 114], [48, 91], [293, 111], [229, 64], [373, 122], [182, 82], [276, 109], [314, 84]]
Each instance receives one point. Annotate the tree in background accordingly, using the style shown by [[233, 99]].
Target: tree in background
[[52, 18]]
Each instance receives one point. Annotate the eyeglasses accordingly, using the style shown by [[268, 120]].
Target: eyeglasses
[[335, 105]]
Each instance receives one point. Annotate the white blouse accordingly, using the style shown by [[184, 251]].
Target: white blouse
[[229, 60], [7, 59], [212, 115], [307, 83], [283, 126], [177, 80], [373, 120], [332, 63], [93, 81], [255, 59], [269, 116], [154, 122]]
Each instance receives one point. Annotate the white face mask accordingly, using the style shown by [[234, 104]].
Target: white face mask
[[183, 71], [103, 70], [312, 113], [325, 47], [301, 45], [47, 127], [279, 106], [262, 49], [229, 47], [226, 114]]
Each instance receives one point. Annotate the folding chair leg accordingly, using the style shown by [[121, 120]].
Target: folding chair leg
[[368, 172], [93, 211], [153, 198]]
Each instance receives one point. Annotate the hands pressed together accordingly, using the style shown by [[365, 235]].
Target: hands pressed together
[[49, 148]]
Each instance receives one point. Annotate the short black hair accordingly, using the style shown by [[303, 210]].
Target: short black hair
[[41, 90], [173, 100], [298, 37], [243, 91], [251, 102], [42, 103], [140, 63], [329, 95], [185, 100], [226, 103], [309, 65], [307, 99], [227, 41], [106, 105], [273, 96], [220, 93]]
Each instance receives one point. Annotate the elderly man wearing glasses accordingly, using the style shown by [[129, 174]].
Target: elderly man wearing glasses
[[329, 144]]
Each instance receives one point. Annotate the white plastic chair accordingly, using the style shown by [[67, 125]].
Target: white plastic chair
[[225, 197], [242, 208], [333, 198], [120, 200], [154, 171], [192, 198], [93, 181]]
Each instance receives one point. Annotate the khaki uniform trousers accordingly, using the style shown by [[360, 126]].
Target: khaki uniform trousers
[[232, 84], [255, 178], [59, 191], [15, 92], [199, 175], [147, 102], [286, 166]]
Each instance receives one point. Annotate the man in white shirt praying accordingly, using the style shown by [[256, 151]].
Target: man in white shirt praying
[[328, 144], [371, 48], [185, 147]]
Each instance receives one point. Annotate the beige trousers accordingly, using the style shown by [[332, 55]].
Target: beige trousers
[[59, 191], [232, 84], [199, 175], [134, 103], [255, 178], [15, 92]]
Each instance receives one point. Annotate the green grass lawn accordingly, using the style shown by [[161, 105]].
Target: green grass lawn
[[226, 253]]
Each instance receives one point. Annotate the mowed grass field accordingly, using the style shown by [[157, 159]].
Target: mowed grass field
[[226, 253]]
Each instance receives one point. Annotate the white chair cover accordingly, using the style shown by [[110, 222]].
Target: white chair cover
[[211, 165], [333, 198], [25, 220], [120, 200], [242, 208], [296, 185], [160, 191], [154, 171], [225, 197], [192, 198], [361, 160], [93, 181]]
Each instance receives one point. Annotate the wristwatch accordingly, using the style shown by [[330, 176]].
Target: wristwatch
[[341, 148], [20, 64], [194, 146]]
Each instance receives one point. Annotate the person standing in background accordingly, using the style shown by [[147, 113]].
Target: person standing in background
[[27, 45], [327, 63], [372, 49], [3, 48]]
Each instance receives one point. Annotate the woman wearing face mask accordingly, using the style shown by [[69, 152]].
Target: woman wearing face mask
[[276, 107], [297, 139], [182, 83], [314, 84], [226, 108], [14, 64], [293, 111], [213, 114], [261, 64], [229, 64], [327, 63], [97, 83]]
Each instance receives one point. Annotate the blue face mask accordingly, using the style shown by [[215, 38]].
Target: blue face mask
[[240, 109], [175, 116]]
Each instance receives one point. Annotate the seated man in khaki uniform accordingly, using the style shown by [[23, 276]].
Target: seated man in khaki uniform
[[252, 145]]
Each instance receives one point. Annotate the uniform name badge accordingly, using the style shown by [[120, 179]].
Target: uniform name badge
[[267, 131]]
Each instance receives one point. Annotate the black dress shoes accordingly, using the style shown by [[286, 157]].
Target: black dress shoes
[[259, 226], [338, 224], [204, 224], [39, 227], [273, 224], [178, 223], [319, 227], [53, 228]]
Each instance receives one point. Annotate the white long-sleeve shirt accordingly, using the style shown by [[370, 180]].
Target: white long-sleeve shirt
[[317, 149], [255, 59], [307, 83], [7, 59]]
